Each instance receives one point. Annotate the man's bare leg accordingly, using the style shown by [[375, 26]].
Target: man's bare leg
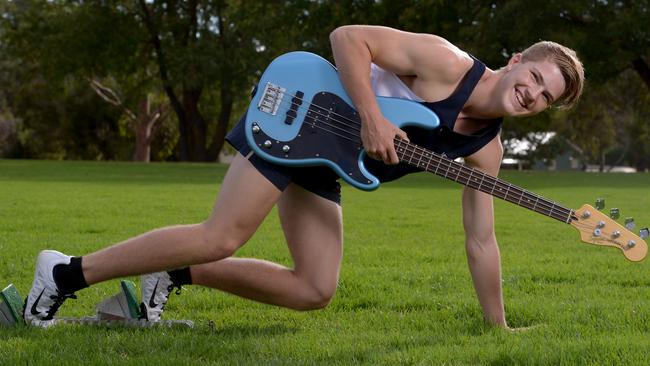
[[245, 198], [314, 231]]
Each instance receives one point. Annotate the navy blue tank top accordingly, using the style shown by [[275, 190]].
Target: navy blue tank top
[[443, 139]]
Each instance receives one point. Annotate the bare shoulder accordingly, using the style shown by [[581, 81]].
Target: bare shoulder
[[488, 158], [426, 56], [441, 60]]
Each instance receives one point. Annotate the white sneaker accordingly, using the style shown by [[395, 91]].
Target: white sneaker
[[45, 298], [156, 288]]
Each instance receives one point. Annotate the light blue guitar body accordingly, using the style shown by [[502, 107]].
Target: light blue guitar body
[[300, 115]]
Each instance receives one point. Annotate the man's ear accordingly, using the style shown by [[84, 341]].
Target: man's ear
[[515, 59]]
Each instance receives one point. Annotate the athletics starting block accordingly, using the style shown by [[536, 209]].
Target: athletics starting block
[[11, 307], [123, 305], [121, 309]]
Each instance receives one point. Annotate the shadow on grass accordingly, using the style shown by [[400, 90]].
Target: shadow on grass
[[203, 328], [245, 330]]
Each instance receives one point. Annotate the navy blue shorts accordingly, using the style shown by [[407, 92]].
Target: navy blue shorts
[[319, 180]]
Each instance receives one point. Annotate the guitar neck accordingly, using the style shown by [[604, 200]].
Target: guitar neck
[[438, 164]]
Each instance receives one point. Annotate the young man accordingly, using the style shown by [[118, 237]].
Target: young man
[[470, 101]]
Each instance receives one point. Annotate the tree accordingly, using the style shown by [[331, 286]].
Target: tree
[[50, 48], [610, 40], [203, 56], [142, 121], [205, 44], [629, 105]]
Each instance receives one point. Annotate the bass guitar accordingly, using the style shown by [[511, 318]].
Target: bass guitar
[[300, 115]]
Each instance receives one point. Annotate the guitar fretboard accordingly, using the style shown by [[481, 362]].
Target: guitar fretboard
[[438, 164]]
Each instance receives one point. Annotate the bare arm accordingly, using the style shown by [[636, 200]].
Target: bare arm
[[480, 241], [427, 57]]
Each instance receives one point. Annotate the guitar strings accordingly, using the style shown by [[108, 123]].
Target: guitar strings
[[554, 207], [304, 114], [285, 103], [541, 202], [448, 163], [354, 125], [540, 205]]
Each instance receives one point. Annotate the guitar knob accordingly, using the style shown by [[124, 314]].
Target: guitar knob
[[629, 223], [600, 203], [268, 144], [644, 233], [286, 148], [256, 129], [631, 244], [614, 213]]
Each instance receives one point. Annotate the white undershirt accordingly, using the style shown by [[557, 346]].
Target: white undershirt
[[387, 84]]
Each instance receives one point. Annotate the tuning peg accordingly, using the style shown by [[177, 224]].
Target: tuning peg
[[644, 233], [629, 223], [600, 203], [614, 213]]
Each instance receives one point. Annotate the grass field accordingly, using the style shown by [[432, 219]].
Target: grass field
[[405, 294]]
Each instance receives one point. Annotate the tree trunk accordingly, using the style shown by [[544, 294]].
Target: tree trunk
[[195, 126], [642, 164], [641, 68], [142, 133], [219, 136], [143, 126], [147, 18]]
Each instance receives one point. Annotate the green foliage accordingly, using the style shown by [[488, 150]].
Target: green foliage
[[214, 50], [404, 297], [51, 49], [608, 37]]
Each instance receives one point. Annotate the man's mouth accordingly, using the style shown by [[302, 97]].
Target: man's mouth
[[520, 98]]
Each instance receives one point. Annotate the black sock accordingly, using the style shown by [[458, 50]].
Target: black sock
[[69, 278], [181, 276]]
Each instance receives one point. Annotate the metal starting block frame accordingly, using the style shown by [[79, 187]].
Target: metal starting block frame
[[119, 310], [135, 323], [123, 305]]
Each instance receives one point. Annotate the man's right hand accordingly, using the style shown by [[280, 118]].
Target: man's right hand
[[378, 137]]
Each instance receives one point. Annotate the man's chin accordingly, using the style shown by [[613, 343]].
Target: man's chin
[[512, 111]]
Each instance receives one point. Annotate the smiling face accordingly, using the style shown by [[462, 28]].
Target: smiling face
[[530, 87]]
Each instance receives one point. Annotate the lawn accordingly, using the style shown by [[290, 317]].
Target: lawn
[[405, 294]]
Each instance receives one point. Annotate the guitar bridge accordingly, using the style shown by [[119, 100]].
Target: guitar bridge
[[271, 99]]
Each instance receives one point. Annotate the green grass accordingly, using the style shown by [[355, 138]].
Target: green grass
[[405, 294]]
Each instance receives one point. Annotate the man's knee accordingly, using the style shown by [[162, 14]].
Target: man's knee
[[221, 242], [316, 297]]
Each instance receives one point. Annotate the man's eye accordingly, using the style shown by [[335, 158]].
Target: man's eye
[[535, 77]]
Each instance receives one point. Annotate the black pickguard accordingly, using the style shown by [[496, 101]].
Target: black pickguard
[[330, 130]]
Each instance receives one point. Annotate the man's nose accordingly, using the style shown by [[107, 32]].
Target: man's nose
[[535, 91]]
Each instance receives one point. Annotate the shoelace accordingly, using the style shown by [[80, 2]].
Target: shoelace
[[171, 287], [59, 298]]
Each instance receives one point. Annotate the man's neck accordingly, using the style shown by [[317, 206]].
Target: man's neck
[[482, 104]]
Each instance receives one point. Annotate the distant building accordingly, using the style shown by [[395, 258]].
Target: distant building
[[565, 157]]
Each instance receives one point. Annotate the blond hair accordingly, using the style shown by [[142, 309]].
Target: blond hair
[[569, 64]]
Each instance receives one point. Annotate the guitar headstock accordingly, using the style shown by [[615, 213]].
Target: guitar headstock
[[597, 228]]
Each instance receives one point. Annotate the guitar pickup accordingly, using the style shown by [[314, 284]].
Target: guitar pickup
[[292, 113]]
